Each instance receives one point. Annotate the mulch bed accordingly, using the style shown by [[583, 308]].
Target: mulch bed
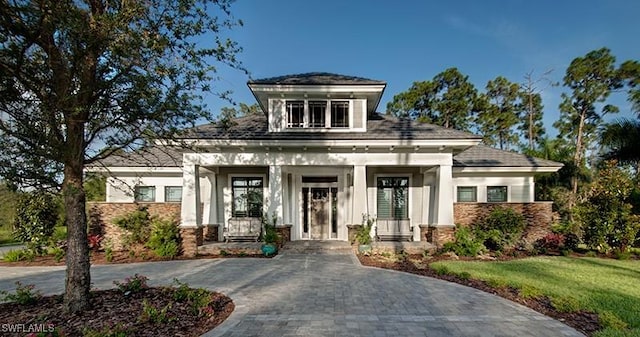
[[586, 322], [111, 309]]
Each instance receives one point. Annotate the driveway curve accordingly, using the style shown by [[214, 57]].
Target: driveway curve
[[323, 295]]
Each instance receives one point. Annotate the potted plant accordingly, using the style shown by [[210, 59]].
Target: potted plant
[[269, 236], [363, 235]]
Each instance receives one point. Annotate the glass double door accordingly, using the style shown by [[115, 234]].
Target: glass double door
[[320, 213]]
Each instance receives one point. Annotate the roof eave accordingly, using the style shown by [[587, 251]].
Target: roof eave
[[503, 169]]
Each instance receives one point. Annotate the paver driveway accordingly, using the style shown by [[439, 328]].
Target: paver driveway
[[324, 295]]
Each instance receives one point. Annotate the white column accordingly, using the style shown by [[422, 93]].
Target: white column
[[275, 193], [426, 205], [532, 189], [445, 196], [190, 215], [210, 210], [359, 193]]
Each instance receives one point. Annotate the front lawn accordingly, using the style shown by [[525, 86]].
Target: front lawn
[[6, 235], [608, 287]]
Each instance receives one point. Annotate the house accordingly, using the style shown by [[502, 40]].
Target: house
[[318, 159]]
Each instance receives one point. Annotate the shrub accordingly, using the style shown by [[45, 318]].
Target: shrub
[[154, 315], [24, 294], [57, 253], [465, 243], [131, 285], [502, 227], [94, 241], [551, 241], [164, 238], [108, 251], [200, 299], [18, 255], [137, 224], [59, 234], [571, 241], [35, 220], [269, 234], [363, 235], [606, 213]]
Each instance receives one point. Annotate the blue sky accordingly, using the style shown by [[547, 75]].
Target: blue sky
[[405, 41]]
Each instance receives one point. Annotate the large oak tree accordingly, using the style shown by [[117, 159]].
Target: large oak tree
[[81, 79]]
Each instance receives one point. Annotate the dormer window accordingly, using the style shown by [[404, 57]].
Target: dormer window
[[295, 114], [339, 114], [317, 114]]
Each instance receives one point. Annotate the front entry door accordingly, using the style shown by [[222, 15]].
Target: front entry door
[[319, 215]]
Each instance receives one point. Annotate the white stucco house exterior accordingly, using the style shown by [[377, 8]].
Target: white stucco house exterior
[[319, 158]]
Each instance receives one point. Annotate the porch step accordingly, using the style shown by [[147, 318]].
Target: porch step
[[317, 247]]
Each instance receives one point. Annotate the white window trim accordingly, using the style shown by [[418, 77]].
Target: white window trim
[[135, 193], [165, 193], [508, 192], [228, 193], [393, 175], [327, 120], [464, 186]]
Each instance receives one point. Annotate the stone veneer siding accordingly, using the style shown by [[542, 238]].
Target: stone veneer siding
[[107, 212], [538, 215]]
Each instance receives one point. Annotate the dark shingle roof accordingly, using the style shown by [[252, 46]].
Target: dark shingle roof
[[378, 127], [152, 156], [317, 78], [484, 156]]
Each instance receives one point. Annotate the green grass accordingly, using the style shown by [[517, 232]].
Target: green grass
[[6, 236], [608, 287]]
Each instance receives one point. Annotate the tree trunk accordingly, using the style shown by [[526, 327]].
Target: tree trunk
[[530, 122], [577, 158], [78, 281]]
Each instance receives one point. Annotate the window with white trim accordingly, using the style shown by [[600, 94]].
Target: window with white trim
[[467, 194], [247, 196], [393, 198], [173, 193], [339, 114], [295, 114], [496, 193], [145, 193], [317, 114]]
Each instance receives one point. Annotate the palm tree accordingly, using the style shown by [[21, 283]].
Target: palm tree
[[621, 141]]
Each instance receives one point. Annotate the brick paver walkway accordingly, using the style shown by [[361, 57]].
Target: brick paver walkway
[[324, 295]]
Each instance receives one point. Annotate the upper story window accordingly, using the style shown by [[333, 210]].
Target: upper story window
[[295, 114], [317, 113], [339, 114]]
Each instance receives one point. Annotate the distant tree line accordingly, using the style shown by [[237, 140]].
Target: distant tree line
[[509, 116]]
